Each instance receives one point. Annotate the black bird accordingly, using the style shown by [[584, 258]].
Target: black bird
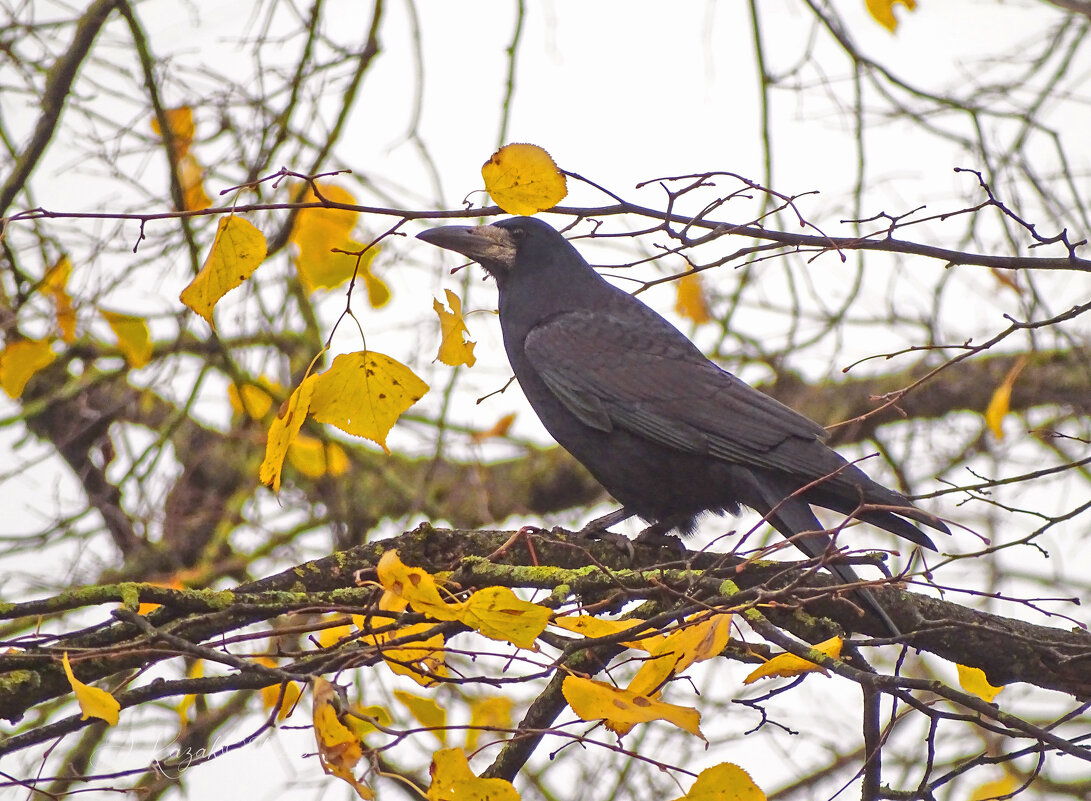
[[668, 433]]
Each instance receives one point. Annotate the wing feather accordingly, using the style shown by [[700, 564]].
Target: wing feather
[[647, 378]]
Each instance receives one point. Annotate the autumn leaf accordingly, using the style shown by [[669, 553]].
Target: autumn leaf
[[1007, 278], [271, 694], [94, 702], [1000, 788], [454, 348], [426, 712], [594, 627], [415, 585], [495, 612], [690, 302], [55, 286], [452, 780], [182, 129], [492, 712], [523, 179], [314, 458], [329, 636], [195, 671], [681, 648], [422, 660], [596, 700], [317, 232], [20, 360], [174, 583], [190, 172], [364, 394], [1000, 403], [254, 399], [723, 782], [788, 665], [284, 430], [500, 614], [883, 11], [133, 337], [339, 750], [237, 250], [499, 429], [973, 680], [358, 725], [191, 176], [378, 293]]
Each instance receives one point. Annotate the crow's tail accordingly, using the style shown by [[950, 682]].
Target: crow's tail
[[794, 519]]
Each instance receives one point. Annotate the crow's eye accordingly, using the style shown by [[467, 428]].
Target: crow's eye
[[518, 234]]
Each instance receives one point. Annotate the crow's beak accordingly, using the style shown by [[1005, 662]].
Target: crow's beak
[[491, 247]]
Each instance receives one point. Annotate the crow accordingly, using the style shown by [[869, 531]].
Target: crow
[[669, 434]]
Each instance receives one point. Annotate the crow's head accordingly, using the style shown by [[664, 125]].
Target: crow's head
[[505, 247]]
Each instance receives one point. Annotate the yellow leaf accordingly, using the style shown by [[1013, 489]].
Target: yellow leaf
[[284, 430], [680, 649], [499, 429], [20, 360], [133, 338], [419, 659], [364, 393], [883, 11], [338, 748], [523, 179], [191, 176], [691, 302], [190, 172], [1007, 278], [426, 712], [317, 232], [452, 780], [314, 458], [499, 614], [196, 671], [237, 250], [330, 636], [596, 700], [361, 727], [454, 348], [271, 694], [723, 782], [175, 583], [414, 585], [493, 712], [256, 399], [182, 129], [55, 286], [377, 291], [997, 789], [94, 703], [703, 640], [788, 665], [973, 681], [392, 602], [1000, 403], [593, 627]]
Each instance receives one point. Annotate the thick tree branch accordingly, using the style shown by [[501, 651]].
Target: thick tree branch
[[1007, 650]]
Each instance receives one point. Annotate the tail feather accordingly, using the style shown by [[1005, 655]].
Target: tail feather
[[794, 519], [891, 522]]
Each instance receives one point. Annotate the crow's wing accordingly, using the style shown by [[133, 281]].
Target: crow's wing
[[640, 374]]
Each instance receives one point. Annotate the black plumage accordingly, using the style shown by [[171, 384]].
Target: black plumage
[[668, 433]]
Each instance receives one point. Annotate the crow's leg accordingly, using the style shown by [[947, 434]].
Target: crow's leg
[[600, 524], [597, 530], [658, 535]]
